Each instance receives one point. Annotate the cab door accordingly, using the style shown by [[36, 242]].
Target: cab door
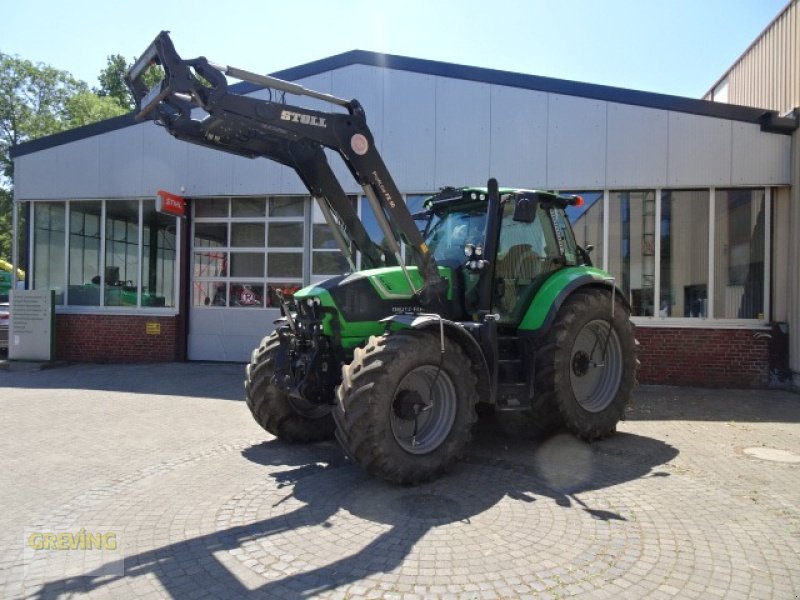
[[527, 254]]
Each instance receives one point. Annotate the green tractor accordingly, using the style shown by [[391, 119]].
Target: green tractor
[[495, 303]]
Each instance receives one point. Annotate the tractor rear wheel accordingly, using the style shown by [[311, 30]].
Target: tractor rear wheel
[[589, 362], [404, 410], [273, 409]]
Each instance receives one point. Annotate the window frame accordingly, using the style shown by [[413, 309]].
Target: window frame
[[707, 322], [101, 308]]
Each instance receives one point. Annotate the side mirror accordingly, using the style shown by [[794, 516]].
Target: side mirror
[[589, 249], [524, 211]]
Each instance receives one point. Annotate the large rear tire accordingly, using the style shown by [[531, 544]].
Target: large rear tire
[[404, 410], [273, 409], [589, 362]]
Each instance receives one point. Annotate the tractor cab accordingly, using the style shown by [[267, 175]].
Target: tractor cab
[[534, 241]]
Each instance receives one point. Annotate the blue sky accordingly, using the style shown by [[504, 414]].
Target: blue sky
[[670, 46]]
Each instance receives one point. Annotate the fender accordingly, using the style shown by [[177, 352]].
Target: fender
[[456, 333], [548, 300]]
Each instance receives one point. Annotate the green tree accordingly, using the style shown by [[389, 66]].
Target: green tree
[[38, 100], [85, 107], [112, 81]]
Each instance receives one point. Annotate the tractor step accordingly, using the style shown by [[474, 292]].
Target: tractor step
[[513, 396], [513, 387]]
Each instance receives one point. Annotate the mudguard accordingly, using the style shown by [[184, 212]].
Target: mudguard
[[453, 332], [548, 300]]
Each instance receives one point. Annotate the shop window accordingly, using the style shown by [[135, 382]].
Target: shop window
[[84, 253], [109, 261], [587, 224], [684, 254], [631, 254], [122, 253], [739, 236], [159, 253], [49, 229]]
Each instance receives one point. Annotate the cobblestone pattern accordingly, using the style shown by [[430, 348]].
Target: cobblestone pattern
[[671, 507]]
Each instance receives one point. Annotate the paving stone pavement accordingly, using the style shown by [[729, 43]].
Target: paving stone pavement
[[207, 505]]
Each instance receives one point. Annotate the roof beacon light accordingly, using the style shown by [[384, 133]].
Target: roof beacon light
[[577, 201]]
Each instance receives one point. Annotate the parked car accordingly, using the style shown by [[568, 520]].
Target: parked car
[[4, 318]]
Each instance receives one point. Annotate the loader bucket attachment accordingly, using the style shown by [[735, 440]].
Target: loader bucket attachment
[[179, 88]]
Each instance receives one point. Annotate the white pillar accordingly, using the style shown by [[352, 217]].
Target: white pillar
[[14, 242]]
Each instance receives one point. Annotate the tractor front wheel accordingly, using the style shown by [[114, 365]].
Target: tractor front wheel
[[273, 409], [405, 410]]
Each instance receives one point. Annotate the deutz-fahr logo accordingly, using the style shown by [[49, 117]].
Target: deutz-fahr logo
[[287, 115]]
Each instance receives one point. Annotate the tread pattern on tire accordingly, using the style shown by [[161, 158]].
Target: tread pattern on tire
[[364, 400], [270, 406], [580, 308]]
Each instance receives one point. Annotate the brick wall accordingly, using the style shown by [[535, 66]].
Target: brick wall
[[731, 358], [113, 338]]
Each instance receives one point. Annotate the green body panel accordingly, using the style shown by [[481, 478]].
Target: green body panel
[[547, 295], [389, 283]]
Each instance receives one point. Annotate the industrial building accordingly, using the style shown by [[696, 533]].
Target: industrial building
[[691, 204]]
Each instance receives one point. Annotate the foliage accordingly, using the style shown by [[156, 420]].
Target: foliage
[[112, 80], [85, 107], [38, 100], [5, 223]]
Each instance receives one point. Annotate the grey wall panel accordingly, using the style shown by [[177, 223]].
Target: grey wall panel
[[758, 158], [365, 84], [462, 132], [120, 161], [32, 178], [636, 146], [576, 143], [209, 172], [254, 176], [164, 161], [518, 137], [409, 126], [436, 131], [78, 168], [699, 151]]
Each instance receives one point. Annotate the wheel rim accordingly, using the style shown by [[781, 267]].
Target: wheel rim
[[425, 395], [595, 378]]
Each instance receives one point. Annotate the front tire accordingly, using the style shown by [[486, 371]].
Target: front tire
[[273, 409], [404, 410], [589, 361]]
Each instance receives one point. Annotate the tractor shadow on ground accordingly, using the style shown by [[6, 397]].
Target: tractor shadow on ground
[[316, 483]]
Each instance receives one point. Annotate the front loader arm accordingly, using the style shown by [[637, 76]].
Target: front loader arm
[[290, 135]]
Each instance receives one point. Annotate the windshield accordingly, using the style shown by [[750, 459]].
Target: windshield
[[448, 232]]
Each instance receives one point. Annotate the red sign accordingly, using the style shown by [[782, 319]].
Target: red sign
[[170, 204]]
